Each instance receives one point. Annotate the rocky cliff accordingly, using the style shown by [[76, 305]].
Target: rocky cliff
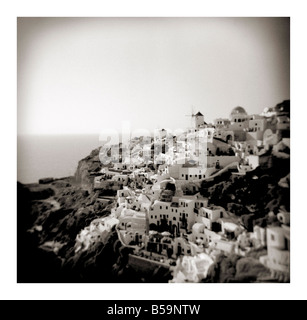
[[50, 214], [87, 169]]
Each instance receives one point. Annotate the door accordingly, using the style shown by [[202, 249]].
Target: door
[[179, 249]]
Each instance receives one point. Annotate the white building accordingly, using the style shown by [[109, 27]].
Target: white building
[[257, 124], [230, 228], [178, 215], [192, 269], [278, 257], [202, 235], [259, 236], [210, 216], [195, 173], [96, 232], [284, 217], [221, 122], [132, 220]]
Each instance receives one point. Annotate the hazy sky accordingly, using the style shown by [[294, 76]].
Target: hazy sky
[[82, 75]]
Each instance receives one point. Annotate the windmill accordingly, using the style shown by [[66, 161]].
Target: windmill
[[198, 119]]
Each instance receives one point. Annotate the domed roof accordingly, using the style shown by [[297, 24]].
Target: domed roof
[[238, 110]]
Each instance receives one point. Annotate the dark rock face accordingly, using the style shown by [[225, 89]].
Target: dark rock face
[[223, 269], [283, 107], [250, 269], [252, 196], [45, 180], [86, 169], [55, 213], [38, 192], [235, 268]]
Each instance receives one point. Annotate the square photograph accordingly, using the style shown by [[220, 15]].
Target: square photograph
[[153, 150]]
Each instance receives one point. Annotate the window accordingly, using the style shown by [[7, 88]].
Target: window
[[160, 207], [174, 218], [272, 237], [172, 210], [166, 207], [182, 175], [151, 217], [190, 176], [155, 217]]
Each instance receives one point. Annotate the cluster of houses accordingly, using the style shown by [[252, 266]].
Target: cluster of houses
[[161, 222], [98, 231]]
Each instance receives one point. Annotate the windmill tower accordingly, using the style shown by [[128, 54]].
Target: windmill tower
[[197, 119]]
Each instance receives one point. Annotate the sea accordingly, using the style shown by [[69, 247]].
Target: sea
[[57, 156]]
